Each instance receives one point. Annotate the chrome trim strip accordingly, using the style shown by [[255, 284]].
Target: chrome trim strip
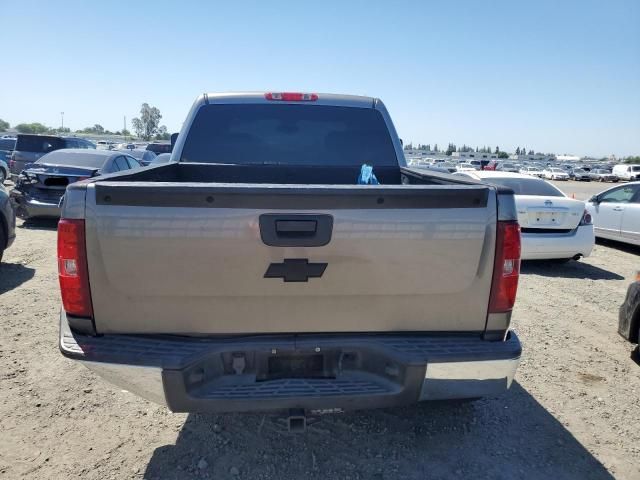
[[468, 379], [145, 382]]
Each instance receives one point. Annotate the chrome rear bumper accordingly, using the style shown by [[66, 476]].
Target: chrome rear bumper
[[369, 371]]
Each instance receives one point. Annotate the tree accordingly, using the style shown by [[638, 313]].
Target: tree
[[518, 151], [530, 152], [435, 148], [503, 155], [125, 132], [97, 129], [147, 125], [163, 134], [4, 126], [32, 128], [497, 150]]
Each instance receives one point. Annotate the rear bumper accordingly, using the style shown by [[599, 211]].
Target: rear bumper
[[29, 207], [544, 246], [368, 371]]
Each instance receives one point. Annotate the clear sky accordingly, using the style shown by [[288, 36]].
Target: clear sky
[[557, 76]]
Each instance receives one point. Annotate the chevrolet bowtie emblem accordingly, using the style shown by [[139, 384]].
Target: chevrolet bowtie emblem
[[295, 270]]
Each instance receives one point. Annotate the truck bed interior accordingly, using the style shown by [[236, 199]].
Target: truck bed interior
[[283, 174]]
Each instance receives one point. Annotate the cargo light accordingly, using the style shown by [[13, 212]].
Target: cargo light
[[506, 268], [73, 273], [291, 97]]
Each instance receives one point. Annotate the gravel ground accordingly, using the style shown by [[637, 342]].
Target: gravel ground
[[572, 412]]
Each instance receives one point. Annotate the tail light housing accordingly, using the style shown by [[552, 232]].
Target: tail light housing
[[73, 273], [586, 218], [506, 268]]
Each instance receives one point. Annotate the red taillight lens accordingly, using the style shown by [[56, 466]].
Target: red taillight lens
[[586, 218], [506, 268], [72, 268], [291, 97]]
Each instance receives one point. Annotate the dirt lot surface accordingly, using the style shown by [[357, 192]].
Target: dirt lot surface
[[572, 413]]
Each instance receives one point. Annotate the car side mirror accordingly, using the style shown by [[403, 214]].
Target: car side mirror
[[595, 200]]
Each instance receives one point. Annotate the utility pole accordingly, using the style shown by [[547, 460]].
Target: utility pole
[[124, 129], [62, 121]]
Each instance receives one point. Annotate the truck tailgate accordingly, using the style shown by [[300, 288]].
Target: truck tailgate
[[192, 259]]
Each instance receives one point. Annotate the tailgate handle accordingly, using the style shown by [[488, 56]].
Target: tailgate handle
[[295, 230]]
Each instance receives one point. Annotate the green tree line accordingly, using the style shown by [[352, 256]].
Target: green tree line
[[147, 126]]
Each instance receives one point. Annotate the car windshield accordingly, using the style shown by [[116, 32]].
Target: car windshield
[[7, 143], [526, 186], [142, 154], [557, 170], [289, 135]]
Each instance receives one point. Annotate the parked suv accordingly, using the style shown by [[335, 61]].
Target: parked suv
[[30, 148]]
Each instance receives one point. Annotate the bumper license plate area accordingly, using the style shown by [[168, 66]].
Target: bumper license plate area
[[295, 366]]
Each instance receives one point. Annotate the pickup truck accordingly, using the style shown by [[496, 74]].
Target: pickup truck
[[255, 272]]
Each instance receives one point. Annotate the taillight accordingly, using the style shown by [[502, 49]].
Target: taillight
[[586, 218], [72, 268], [506, 268], [292, 97]]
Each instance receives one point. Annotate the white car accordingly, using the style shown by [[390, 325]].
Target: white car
[[616, 213], [465, 167], [531, 171], [553, 226], [555, 173], [165, 158]]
